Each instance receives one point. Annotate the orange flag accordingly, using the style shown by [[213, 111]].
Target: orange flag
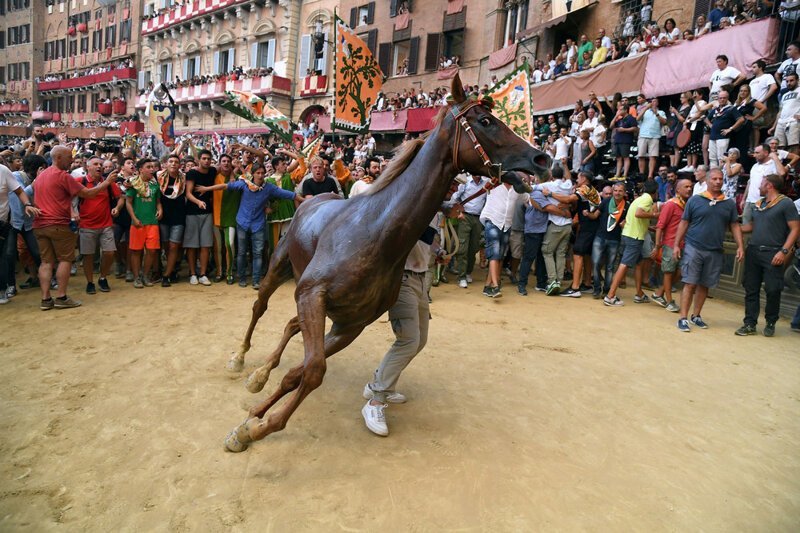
[[357, 81]]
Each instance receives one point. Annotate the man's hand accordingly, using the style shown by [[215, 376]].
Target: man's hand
[[113, 176], [201, 205], [159, 212], [771, 130], [740, 255], [32, 211], [200, 189], [779, 259], [138, 223], [115, 212], [676, 253]]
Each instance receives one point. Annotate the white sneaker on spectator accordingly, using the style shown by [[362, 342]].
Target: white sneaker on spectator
[[3, 299], [687, 168], [375, 419], [203, 280], [469, 278], [193, 280], [463, 283], [392, 397]]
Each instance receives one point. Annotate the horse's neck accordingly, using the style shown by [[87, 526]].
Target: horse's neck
[[414, 197]]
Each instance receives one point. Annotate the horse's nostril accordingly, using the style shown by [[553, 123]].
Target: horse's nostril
[[542, 160]]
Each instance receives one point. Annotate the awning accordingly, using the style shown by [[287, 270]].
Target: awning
[[524, 34], [624, 76], [689, 65], [560, 14]]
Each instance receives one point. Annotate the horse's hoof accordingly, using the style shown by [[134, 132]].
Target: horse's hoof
[[235, 364], [233, 444], [256, 381]]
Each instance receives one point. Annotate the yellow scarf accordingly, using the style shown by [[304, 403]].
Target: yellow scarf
[[177, 187], [761, 201], [142, 187], [712, 200], [677, 200], [248, 179]]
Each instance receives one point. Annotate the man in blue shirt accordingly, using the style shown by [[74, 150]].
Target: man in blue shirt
[[535, 227], [250, 219], [650, 122], [706, 218], [624, 126]]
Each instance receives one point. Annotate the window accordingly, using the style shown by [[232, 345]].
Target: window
[[400, 58], [2, 74], [93, 109], [82, 103], [2, 39], [111, 36], [223, 61], [630, 17], [97, 40], [165, 73], [453, 44], [73, 47], [264, 54], [84, 44], [125, 31], [191, 67], [363, 16], [313, 54], [516, 20], [61, 48], [19, 71], [69, 104]]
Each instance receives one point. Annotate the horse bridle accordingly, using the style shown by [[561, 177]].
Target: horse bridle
[[458, 116]]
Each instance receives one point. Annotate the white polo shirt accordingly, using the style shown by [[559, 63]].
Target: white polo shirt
[[499, 208], [757, 173]]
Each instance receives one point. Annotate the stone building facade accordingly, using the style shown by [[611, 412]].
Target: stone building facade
[[19, 36]]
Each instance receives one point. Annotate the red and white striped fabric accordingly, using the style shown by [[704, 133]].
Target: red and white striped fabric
[[216, 91], [314, 85], [184, 13]]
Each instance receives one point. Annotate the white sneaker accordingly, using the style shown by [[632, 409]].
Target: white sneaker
[[462, 283], [392, 397], [469, 278], [204, 281], [375, 419], [687, 168], [193, 280], [3, 299]]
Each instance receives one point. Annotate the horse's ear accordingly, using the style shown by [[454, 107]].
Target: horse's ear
[[457, 90]]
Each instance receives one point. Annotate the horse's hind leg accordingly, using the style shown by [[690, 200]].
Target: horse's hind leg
[[336, 340], [279, 272], [256, 381]]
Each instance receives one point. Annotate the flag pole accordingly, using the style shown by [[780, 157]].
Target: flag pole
[[335, 48]]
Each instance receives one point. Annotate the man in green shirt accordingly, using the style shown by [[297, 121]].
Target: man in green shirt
[[641, 211], [585, 46], [143, 200]]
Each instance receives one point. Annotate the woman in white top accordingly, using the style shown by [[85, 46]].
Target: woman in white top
[[672, 31], [730, 172], [697, 115]]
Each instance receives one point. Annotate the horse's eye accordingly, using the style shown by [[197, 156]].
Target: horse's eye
[[485, 121]]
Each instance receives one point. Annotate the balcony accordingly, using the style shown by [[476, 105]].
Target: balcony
[[90, 81], [272, 84], [14, 109], [15, 131], [185, 13], [313, 86], [87, 82]]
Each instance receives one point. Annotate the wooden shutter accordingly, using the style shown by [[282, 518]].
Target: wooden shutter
[[392, 8], [372, 41], [701, 7], [254, 55], [305, 53], [523, 16], [322, 64], [385, 58], [413, 55], [231, 56], [270, 53], [432, 52], [353, 17], [216, 69], [370, 12], [456, 21]]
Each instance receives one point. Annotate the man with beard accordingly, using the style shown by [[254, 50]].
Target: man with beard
[[199, 231], [373, 168], [668, 220]]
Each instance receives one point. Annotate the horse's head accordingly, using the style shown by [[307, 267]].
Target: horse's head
[[495, 150]]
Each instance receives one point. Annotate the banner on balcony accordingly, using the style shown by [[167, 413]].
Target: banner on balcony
[[512, 102], [160, 113], [254, 109], [565, 7], [357, 79]]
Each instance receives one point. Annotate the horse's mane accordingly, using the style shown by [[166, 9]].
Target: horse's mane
[[404, 155]]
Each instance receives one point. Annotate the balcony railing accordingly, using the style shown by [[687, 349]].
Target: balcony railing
[[85, 82], [14, 109], [15, 131], [313, 86], [272, 84], [184, 13], [42, 115]]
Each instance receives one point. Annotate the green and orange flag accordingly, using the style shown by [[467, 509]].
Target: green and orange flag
[[255, 109], [357, 79], [513, 103]]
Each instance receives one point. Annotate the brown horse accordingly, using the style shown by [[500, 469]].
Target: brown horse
[[348, 255]]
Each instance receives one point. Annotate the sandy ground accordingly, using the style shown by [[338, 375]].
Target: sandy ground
[[536, 413]]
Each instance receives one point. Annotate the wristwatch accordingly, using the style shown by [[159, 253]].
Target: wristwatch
[[784, 251], [28, 205]]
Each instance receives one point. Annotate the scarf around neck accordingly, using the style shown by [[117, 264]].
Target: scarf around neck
[[178, 186], [615, 211]]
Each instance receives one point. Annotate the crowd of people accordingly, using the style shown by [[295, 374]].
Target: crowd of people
[[99, 69], [238, 73], [639, 34]]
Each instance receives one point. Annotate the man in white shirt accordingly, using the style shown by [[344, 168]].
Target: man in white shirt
[[559, 228], [537, 75], [9, 185], [605, 40], [562, 145], [591, 120], [700, 185], [470, 228], [497, 216], [767, 163], [763, 85], [790, 64], [724, 75], [786, 128]]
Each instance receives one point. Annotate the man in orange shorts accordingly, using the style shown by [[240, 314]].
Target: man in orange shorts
[[144, 205]]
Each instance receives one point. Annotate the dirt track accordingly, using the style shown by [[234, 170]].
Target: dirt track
[[525, 414]]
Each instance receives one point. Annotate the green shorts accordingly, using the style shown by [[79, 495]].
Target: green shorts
[[668, 262]]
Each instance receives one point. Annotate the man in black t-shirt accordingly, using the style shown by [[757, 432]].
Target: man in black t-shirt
[[319, 182], [199, 231], [172, 183], [607, 237]]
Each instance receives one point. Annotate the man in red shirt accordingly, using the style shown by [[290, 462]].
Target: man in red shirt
[[53, 191], [96, 225], [666, 228]]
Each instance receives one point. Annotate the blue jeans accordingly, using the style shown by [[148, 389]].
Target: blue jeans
[[796, 319], [496, 241], [530, 253], [603, 249], [256, 239]]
